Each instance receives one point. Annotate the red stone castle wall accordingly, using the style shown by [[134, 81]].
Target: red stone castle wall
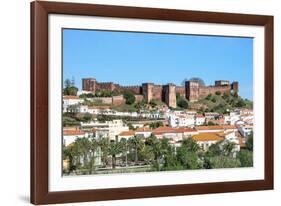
[[205, 91], [180, 90]]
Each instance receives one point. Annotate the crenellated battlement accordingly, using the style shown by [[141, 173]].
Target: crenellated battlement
[[166, 93]]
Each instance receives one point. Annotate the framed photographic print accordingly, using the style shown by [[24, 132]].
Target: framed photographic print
[[131, 102]]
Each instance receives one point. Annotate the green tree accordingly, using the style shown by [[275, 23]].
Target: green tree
[[187, 158], [83, 146], [187, 154], [218, 93], [214, 150], [224, 162], [240, 103], [208, 97], [104, 145], [191, 145], [87, 117], [115, 148], [129, 97], [246, 158], [71, 90], [228, 148], [154, 125], [250, 142], [158, 149], [93, 149], [137, 144], [70, 153], [182, 103]]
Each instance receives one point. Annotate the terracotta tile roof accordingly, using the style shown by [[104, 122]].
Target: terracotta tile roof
[[215, 127], [229, 126], [207, 137], [162, 130], [127, 133], [71, 128], [73, 132], [223, 134], [70, 97], [143, 129], [185, 129]]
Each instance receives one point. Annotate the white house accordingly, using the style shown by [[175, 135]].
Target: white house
[[69, 101], [174, 134], [205, 140], [245, 130], [107, 129], [71, 134], [199, 119], [181, 121]]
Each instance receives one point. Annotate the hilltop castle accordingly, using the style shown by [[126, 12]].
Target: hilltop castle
[[192, 90]]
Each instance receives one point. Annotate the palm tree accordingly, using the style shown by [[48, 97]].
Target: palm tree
[[104, 145], [136, 143], [70, 153], [159, 149], [124, 146], [83, 146], [115, 148], [93, 149]]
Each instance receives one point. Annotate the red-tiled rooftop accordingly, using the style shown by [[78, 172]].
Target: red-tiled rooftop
[[73, 132], [165, 129], [143, 129], [207, 137], [215, 127], [70, 97], [127, 133]]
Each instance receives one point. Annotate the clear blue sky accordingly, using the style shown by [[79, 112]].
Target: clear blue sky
[[130, 58]]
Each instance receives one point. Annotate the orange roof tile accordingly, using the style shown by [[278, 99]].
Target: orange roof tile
[[127, 133], [207, 137], [164, 129], [229, 126], [215, 127], [73, 132], [70, 97], [143, 129]]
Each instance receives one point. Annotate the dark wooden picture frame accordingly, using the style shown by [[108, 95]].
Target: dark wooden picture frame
[[39, 102]]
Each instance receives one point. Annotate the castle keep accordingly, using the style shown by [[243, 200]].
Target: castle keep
[[192, 90]]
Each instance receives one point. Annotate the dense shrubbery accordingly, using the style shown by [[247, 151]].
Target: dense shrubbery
[[157, 153], [129, 97], [181, 102], [71, 119], [221, 103]]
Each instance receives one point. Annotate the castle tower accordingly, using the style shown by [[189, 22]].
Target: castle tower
[[169, 92], [235, 87], [147, 91], [192, 90], [89, 84]]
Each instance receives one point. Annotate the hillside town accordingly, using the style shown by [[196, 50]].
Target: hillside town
[[108, 128]]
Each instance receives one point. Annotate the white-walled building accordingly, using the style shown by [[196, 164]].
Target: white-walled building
[[199, 119], [245, 130], [70, 101], [181, 121], [71, 134], [108, 129]]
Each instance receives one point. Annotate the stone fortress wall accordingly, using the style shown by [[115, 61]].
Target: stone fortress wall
[[166, 93]]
